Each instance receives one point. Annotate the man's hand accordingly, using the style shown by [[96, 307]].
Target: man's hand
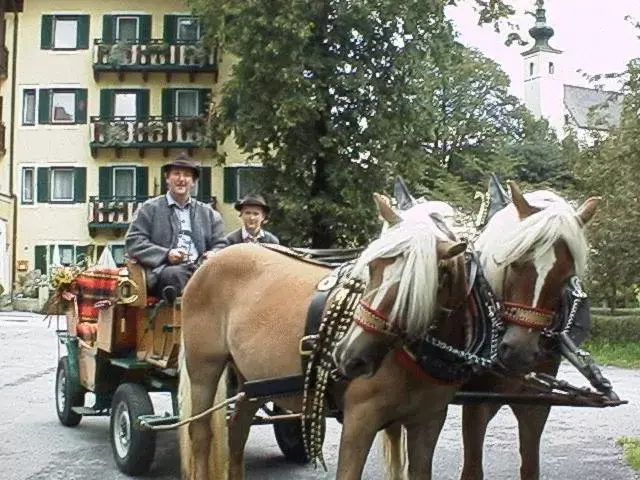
[[208, 254], [176, 255]]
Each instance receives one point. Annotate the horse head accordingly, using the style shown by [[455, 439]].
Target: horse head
[[411, 271], [528, 250]]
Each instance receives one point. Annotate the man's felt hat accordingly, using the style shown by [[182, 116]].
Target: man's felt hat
[[253, 200], [182, 161]]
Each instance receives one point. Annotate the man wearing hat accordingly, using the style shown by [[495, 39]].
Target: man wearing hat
[[171, 233], [253, 212]]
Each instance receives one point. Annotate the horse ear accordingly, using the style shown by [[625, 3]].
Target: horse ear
[[404, 199], [451, 249], [384, 209], [521, 204], [588, 209]]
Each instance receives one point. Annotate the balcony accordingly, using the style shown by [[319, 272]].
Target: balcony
[[114, 214], [153, 56], [118, 133]]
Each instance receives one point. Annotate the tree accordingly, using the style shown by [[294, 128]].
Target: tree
[[323, 95]]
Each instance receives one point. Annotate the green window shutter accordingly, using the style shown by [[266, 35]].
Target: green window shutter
[[142, 181], [43, 184], [81, 106], [106, 103], [108, 29], [40, 260], [142, 104], [82, 251], [204, 187], [83, 32], [46, 32], [204, 98], [80, 185], [105, 182], [170, 29], [44, 107], [145, 28], [168, 103], [230, 184]]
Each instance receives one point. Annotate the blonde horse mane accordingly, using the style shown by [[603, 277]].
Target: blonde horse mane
[[413, 241], [506, 238]]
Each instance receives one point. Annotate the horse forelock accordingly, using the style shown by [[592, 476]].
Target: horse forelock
[[415, 272], [506, 238]]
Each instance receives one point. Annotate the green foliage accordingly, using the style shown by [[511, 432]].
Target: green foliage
[[631, 451], [328, 97], [619, 329]]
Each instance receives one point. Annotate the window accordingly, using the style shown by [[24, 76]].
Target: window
[[188, 29], [124, 104], [552, 68], [531, 69], [124, 181], [28, 181], [62, 184], [127, 29], [29, 107], [67, 256], [240, 181], [117, 251], [63, 107], [65, 33], [186, 103]]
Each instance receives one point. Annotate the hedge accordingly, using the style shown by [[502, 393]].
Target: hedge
[[614, 329], [618, 312]]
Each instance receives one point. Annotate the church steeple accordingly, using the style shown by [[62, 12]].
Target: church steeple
[[541, 32]]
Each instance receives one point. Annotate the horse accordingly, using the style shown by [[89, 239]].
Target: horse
[[529, 250], [247, 305]]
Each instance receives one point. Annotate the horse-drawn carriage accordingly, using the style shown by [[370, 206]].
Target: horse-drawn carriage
[[135, 350]]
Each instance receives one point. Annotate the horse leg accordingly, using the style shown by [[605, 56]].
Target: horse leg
[[421, 444], [204, 377], [475, 420], [394, 451], [531, 422], [358, 433], [239, 428]]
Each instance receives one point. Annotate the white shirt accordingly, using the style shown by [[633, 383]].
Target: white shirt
[[183, 213]]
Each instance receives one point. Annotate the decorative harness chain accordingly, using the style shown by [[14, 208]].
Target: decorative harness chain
[[334, 325]]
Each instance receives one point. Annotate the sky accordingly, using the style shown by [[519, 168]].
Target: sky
[[593, 35]]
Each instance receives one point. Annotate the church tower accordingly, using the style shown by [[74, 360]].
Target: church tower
[[543, 83]]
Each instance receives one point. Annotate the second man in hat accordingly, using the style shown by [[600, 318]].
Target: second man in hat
[[254, 212]]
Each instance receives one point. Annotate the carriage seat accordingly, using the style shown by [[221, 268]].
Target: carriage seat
[[138, 276]]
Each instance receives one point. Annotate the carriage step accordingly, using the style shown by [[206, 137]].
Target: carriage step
[[274, 387], [89, 412]]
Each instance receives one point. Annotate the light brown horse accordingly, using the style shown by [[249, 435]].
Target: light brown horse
[[528, 250], [248, 304]]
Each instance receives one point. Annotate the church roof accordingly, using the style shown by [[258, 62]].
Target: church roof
[[593, 109]]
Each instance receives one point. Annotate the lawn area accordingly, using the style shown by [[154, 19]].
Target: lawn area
[[624, 355], [631, 450]]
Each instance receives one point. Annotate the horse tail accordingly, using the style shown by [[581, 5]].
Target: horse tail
[[185, 411], [394, 451]]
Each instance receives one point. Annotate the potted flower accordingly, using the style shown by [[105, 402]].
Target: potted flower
[[196, 53], [157, 51], [120, 53]]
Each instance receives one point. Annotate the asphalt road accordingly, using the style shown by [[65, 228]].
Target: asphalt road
[[578, 443]]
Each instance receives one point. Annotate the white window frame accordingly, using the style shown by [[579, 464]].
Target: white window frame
[[186, 17], [33, 185], [127, 17], [55, 92], [63, 18], [135, 103], [51, 184], [187, 90], [113, 180], [118, 245], [33, 91], [239, 171]]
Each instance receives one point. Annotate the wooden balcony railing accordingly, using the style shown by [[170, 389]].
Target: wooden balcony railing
[[153, 56], [115, 213], [152, 132]]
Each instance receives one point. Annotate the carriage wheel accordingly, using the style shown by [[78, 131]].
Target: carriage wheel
[[68, 395], [133, 448], [289, 437]]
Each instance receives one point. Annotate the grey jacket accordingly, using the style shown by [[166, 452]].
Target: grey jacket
[[154, 231], [236, 237]]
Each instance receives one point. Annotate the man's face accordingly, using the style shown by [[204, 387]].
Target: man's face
[[180, 181], [252, 217]]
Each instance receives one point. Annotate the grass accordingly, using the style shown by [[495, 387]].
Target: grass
[[624, 355], [631, 451]]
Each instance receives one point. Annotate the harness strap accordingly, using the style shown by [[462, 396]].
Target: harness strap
[[374, 322], [528, 317]]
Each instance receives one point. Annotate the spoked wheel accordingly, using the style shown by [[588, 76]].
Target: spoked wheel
[[289, 437], [69, 394], [133, 448]]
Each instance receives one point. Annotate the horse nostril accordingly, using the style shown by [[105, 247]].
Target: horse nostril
[[504, 350], [355, 366]]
